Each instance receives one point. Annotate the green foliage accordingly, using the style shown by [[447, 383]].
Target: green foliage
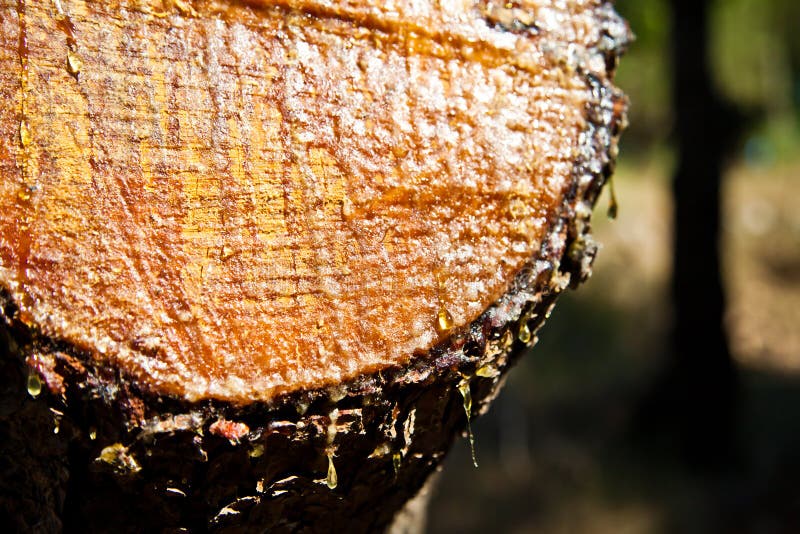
[[644, 74], [749, 54], [755, 59]]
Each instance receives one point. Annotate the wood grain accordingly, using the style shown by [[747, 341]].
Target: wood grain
[[238, 200]]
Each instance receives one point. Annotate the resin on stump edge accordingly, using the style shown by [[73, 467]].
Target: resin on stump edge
[[354, 452]]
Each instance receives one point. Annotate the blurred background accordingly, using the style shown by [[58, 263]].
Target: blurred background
[[664, 394]]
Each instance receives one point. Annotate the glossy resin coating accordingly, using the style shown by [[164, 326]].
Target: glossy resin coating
[[238, 200], [261, 261]]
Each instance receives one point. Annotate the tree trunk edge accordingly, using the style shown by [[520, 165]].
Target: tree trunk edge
[[97, 453]]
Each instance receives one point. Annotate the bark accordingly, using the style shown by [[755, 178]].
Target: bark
[[241, 244]]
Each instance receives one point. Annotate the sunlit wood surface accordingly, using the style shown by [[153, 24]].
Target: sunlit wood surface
[[237, 200]]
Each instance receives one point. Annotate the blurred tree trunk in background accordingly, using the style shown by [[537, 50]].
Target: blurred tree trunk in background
[[705, 375], [695, 400]]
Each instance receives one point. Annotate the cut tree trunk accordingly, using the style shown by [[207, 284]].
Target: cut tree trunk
[[261, 261]]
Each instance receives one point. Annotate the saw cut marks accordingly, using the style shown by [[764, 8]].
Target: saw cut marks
[[237, 200]]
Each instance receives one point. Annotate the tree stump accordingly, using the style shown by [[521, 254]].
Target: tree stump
[[261, 261]]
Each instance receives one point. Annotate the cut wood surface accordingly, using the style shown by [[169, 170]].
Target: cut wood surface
[[223, 205], [234, 202]]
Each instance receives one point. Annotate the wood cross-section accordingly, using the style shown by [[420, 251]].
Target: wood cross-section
[[234, 201]]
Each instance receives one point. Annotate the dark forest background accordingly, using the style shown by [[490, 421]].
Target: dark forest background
[[664, 395]]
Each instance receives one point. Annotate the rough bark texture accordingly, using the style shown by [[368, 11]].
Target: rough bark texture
[[109, 434]]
